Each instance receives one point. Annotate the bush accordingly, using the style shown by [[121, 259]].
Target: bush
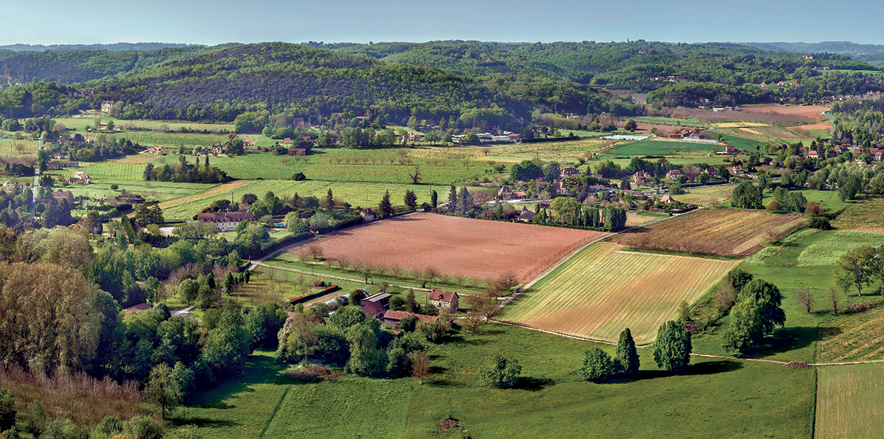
[[858, 307], [773, 206], [596, 365], [821, 223], [299, 176], [501, 371], [318, 282]]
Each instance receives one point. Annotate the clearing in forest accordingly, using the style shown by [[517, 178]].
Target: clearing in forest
[[455, 246], [725, 232], [849, 401], [603, 290]]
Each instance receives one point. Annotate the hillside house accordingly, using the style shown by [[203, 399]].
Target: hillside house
[[443, 299], [57, 165], [217, 149], [812, 154], [392, 318], [505, 193], [412, 137], [569, 172], [738, 170], [731, 150], [875, 153], [225, 221], [526, 215], [641, 178], [154, 150], [106, 106]]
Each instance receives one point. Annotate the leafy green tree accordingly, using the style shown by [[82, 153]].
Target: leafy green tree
[[7, 410], [596, 365], [626, 360], [526, 170], [228, 345], [365, 357], [855, 267], [264, 323], [162, 390], [501, 370], [768, 299], [747, 196], [672, 349], [630, 125], [745, 328]]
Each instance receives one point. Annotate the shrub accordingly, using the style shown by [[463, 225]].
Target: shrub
[[501, 371], [596, 365], [773, 206], [858, 307], [318, 282]]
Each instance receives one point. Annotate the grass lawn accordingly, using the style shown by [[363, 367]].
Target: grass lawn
[[711, 399], [664, 147]]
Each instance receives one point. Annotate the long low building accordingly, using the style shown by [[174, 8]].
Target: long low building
[[225, 221]]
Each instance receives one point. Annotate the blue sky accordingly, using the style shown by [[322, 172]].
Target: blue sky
[[220, 21]]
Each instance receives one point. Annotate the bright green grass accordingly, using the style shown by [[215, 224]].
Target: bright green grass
[[663, 120], [826, 252], [168, 140], [108, 170], [80, 123], [713, 398], [357, 194], [150, 190], [665, 147], [323, 165], [743, 143]]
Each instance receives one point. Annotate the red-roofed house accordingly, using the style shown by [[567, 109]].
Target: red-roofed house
[[666, 199], [225, 221], [375, 309], [444, 299]]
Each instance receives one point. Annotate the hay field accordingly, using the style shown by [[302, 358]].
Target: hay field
[[603, 290], [849, 401]]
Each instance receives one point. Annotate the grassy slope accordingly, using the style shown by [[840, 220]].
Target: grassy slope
[[710, 400]]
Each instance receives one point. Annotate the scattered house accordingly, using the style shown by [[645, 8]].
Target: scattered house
[[812, 154], [287, 141], [505, 193], [59, 156], [225, 221], [666, 199], [106, 106], [367, 215], [673, 174], [876, 154], [56, 165], [383, 298], [808, 57], [375, 309], [412, 137], [444, 299], [63, 195], [130, 198], [738, 170], [641, 178], [513, 137], [392, 318], [569, 172], [217, 149], [710, 171], [297, 151], [154, 150], [731, 150], [526, 215], [80, 177]]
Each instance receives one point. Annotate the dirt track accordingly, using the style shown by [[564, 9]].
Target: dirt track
[[455, 246]]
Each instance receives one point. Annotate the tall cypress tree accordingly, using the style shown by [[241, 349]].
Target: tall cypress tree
[[626, 361], [452, 199], [434, 198]]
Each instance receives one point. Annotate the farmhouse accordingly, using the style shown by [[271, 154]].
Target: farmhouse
[[505, 193], [412, 137], [673, 174], [444, 299], [374, 309], [106, 106], [526, 215], [63, 195], [569, 172], [812, 154], [367, 215], [666, 199], [80, 177], [392, 318], [225, 221], [154, 150], [641, 178]]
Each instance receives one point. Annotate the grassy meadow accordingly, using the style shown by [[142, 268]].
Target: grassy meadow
[[550, 399], [665, 147]]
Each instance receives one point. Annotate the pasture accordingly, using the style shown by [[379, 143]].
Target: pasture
[[455, 246], [665, 147], [725, 232], [604, 289], [550, 400], [150, 190], [705, 195], [357, 194], [80, 123], [849, 402]]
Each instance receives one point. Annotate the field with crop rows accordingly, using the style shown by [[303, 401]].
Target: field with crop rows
[[865, 216], [665, 147], [705, 195], [355, 165], [357, 194], [108, 171], [853, 337], [828, 250], [150, 190], [726, 232], [849, 401], [603, 290]]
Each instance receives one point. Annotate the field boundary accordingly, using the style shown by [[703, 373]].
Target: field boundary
[[285, 393]]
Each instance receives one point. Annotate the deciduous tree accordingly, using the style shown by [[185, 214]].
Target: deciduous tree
[[596, 365], [501, 370], [672, 349]]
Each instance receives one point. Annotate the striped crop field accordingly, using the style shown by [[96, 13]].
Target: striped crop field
[[853, 337], [849, 401], [603, 290]]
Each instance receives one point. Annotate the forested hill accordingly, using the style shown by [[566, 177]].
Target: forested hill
[[70, 66], [638, 65], [111, 47], [870, 53], [221, 84]]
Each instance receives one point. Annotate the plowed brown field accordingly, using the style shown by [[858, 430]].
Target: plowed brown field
[[727, 232], [455, 246]]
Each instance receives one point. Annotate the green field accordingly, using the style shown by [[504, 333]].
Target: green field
[[709, 400], [849, 402], [665, 147], [150, 190], [602, 290], [108, 170], [867, 213], [80, 123], [357, 194], [826, 252]]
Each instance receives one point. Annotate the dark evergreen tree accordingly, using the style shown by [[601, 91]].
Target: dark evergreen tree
[[626, 361]]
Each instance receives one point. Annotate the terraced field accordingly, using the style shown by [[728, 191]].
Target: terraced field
[[603, 289], [849, 401], [726, 232]]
